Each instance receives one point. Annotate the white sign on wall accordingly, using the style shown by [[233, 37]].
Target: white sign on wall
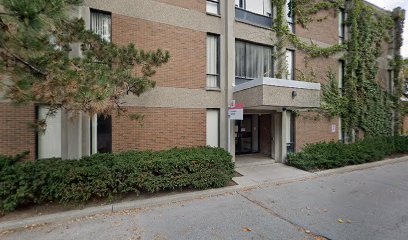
[[333, 128], [236, 112]]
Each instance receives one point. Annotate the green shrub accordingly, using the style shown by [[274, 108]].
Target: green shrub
[[336, 154], [103, 175]]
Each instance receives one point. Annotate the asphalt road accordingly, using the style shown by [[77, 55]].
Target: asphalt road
[[366, 204]]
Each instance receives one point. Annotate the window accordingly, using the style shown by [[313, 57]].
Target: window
[[213, 61], [342, 26], [101, 24], [252, 61], [341, 76], [213, 127], [290, 16], [213, 6], [290, 60], [240, 4], [390, 84], [49, 141]]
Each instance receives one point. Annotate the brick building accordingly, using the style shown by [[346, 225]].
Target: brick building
[[221, 51]]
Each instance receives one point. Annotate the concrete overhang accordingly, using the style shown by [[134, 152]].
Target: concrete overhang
[[274, 93]]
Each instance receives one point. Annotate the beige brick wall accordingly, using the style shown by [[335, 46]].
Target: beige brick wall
[[198, 5], [162, 128], [187, 66], [16, 135]]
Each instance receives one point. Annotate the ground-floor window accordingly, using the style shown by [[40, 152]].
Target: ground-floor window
[[213, 127], [104, 134], [49, 141]]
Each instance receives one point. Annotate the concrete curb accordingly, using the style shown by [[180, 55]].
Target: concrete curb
[[158, 201]]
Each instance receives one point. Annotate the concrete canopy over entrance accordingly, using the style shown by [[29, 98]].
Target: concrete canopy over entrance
[[268, 127]]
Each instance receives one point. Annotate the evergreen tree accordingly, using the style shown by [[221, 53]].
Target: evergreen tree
[[36, 37]]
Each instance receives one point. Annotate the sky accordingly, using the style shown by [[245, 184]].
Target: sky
[[389, 5]]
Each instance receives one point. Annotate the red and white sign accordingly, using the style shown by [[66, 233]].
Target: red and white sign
[[236, 112]]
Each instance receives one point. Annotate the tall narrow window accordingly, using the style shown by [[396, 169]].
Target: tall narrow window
[[240, 4], [49, 141], [342, 26], [252, 61], [101, 24], [213, 6], [213, 61], [213, 127], [390, 84], [290, 60], [341, 76], [290, 16]]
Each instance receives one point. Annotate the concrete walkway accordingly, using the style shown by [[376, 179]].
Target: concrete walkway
[[259, 169]]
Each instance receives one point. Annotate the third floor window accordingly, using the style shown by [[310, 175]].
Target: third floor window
[[213, 6], [342, 26]]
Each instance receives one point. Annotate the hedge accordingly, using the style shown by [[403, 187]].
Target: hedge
[[104, 175], [335, 154]]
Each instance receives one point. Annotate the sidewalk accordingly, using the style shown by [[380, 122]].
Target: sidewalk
[[258, 176]]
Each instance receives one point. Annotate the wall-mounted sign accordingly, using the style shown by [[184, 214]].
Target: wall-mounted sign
[[236, 112], [333, 128]]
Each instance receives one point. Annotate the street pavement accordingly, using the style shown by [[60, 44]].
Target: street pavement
[[364, 204]]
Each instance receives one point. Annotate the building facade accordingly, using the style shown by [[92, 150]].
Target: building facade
[[221, 52]]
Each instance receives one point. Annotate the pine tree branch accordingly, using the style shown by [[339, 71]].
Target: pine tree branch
[[24, 62]]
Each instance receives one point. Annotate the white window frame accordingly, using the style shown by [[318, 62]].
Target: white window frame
[[213, 54]]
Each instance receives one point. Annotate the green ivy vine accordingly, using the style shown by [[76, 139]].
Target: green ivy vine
[[363, 104]]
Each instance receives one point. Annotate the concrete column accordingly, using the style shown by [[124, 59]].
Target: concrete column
[[228, 16], [94, 135], [273, 137], [284, 134], [86, 135]]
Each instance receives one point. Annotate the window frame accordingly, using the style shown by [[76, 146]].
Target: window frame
[[218, 58], [217, 2], [97, 11], [245, 62], [292, 25], [342, 75], [390, 84], [293, 69], [342, 25]]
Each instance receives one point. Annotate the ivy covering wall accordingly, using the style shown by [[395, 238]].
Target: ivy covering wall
[[363, 104]]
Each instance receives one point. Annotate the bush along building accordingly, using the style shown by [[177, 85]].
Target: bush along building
[[306, 71]]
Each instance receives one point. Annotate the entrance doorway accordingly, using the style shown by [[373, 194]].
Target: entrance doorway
[[247, 135]]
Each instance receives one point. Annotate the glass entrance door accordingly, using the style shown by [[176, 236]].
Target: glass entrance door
[[243, 135]]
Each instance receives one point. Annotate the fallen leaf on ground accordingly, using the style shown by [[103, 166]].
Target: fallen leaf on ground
[[348, 221], [247, 230], [340, 220]]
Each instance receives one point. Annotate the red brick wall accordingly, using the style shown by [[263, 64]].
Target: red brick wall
[[198, 5], [163, 128], [325, 31], [320, 67], [187, 66], [313, 129], [16, 135]]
